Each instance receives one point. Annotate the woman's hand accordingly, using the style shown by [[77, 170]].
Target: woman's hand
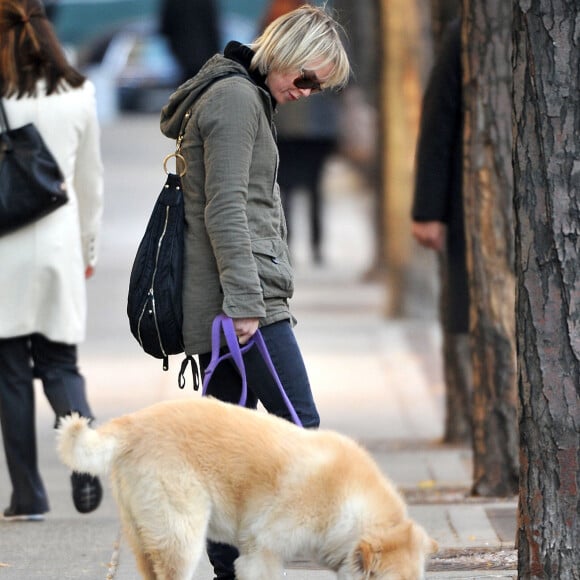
[[245, 328]]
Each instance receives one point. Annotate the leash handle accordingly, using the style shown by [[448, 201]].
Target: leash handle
[[4, 126], [224, 323]]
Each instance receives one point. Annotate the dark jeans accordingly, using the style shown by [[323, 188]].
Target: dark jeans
[[21, 360], [226, 386]]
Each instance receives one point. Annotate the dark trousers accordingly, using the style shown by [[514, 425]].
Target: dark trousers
[[21, 360], [226, 386], [301, 165]]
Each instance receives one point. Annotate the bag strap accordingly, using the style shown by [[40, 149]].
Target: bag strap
[[177, 154], [226, 324], [3, 118], [181, 135], [179, 158], [189, 359]]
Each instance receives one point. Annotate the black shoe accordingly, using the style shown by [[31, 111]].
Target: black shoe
[[86, 491], [12, 515]]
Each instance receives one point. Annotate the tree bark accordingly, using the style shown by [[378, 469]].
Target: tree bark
[[546, 116], [458, 374], [488, 193]]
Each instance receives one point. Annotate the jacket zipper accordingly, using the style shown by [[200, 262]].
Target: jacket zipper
[[151, 292]]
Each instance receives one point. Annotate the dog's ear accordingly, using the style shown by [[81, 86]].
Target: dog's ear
[[428, 544], [431, 546], [371, 550]]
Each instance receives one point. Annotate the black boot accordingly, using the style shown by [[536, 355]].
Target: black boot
[[222, 558], [87, 492]]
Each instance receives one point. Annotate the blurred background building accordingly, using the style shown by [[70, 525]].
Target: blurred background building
[[119, 45]]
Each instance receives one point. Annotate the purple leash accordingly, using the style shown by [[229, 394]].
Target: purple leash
[[226, 324]]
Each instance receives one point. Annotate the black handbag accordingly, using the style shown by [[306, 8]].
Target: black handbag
[[31, 182]]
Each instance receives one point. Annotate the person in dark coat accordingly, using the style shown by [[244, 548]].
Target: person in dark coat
[[437, 211], [307, 138], [51, 9], [192, 30], [438, 223]]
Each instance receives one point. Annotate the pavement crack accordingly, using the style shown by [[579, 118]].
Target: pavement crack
[[114, 560]]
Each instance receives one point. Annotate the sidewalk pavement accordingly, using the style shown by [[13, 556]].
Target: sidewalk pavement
[[378, 380]]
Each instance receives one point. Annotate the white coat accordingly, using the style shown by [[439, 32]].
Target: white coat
[[42, 265]]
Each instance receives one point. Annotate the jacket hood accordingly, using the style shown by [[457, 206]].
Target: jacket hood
[[218, 66]]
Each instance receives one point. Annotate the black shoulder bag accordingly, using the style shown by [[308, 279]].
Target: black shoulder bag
[[154, 298], [31, 182]]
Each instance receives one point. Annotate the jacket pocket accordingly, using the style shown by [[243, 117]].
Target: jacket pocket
[[274, 269]]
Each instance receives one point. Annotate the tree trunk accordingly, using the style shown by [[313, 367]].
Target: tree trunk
[[401, 105], [458, 388], [489, 235], [546, 109]]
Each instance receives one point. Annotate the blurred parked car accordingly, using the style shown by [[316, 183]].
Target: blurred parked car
[[131, 63], [132, 67], [77, 21]]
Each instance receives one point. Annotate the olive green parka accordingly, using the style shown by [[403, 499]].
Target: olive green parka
[[236, 258]]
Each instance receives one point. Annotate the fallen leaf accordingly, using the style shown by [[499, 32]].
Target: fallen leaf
[[427, 484]]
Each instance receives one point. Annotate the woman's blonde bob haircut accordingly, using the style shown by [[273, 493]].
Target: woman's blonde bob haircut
[[306, 38]]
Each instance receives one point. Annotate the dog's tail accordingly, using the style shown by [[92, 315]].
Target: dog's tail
[[84, 449]]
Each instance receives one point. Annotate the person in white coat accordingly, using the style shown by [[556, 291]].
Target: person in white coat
[[45, 264]]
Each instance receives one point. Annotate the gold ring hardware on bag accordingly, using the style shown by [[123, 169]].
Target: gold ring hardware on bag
[[178, 159]]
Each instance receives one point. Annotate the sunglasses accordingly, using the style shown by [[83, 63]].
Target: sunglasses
[[308, 80]]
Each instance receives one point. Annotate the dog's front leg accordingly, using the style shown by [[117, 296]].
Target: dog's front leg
[[262, 565]]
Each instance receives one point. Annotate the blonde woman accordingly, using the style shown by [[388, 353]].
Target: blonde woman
[[44, 265], [236, 257]]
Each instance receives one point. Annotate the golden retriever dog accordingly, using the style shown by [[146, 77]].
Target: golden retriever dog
[[184, 471]]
